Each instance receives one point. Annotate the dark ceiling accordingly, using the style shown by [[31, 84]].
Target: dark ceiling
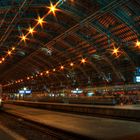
[[88, 29]]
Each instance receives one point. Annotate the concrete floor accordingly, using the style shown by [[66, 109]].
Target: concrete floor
[[99, 128], [4, 134]]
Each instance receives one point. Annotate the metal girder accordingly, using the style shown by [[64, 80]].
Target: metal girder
[[98, 69], [103, 30], [96, 14], [20, 11], [123, 16]]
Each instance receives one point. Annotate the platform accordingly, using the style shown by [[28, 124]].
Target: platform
[[94, 127], [124, 112]]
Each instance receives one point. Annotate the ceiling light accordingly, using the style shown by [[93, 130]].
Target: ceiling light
[[115, 51], [40, 21], [9, 52], [71, 64], [62, 67], [138, 43], [53, 9], [83, 60], [23, 38], [31, 30]]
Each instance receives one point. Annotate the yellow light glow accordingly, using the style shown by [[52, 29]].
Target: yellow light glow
[[3, 59], [31, 30], [62, 67], [0, 62], [9, 52], [28, 78], [23, 38], [40, 21], [115, 51], [47, 72], [53, 9], [71, 64], [138, 43], [41, 74], [54, 70], [13, 48], [83, 60]]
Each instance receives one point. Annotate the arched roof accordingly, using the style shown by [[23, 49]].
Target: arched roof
[[88, 29]]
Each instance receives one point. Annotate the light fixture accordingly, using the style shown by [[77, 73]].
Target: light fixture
[[54, 70], [3, 59], [115, 51], [53, 9], [83, 60], [31, 30], [28, 78], [62, 67], [41, 74], [9, 52], [13, 48], [47, 72], [23, 38], [71, 64], [40, 21], [138, 43]]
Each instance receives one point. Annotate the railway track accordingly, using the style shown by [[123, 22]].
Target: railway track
[[33, 130]]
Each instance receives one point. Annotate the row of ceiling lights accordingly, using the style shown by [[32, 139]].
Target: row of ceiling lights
[[62, 67], [40, 20], [115, 51]]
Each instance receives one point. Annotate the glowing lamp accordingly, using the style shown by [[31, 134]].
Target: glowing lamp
[[40, 21], [53, 9], [62, 67], [138, 43], [31, 30], [83, 60], [71, 64], [9, 52], [47, 72]]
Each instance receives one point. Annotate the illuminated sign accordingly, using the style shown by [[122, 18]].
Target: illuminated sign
[[77, 91], [137, 78], [24, 91]]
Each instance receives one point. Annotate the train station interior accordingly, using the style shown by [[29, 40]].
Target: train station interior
[[70, 69]]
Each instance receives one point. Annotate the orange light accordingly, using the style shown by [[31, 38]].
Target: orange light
[[53, 9], [0, 62], [115, 51], [71, 64], [23, 38], [138, 43], [9, 52], [3, 59], [54, 70], [47, 72], [62, 67], [40, 21], [13, 48], [83, 60], [41, 74], [31, 30], [28, 78]]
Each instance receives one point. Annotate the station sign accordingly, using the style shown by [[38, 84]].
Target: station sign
[[25, 91]]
